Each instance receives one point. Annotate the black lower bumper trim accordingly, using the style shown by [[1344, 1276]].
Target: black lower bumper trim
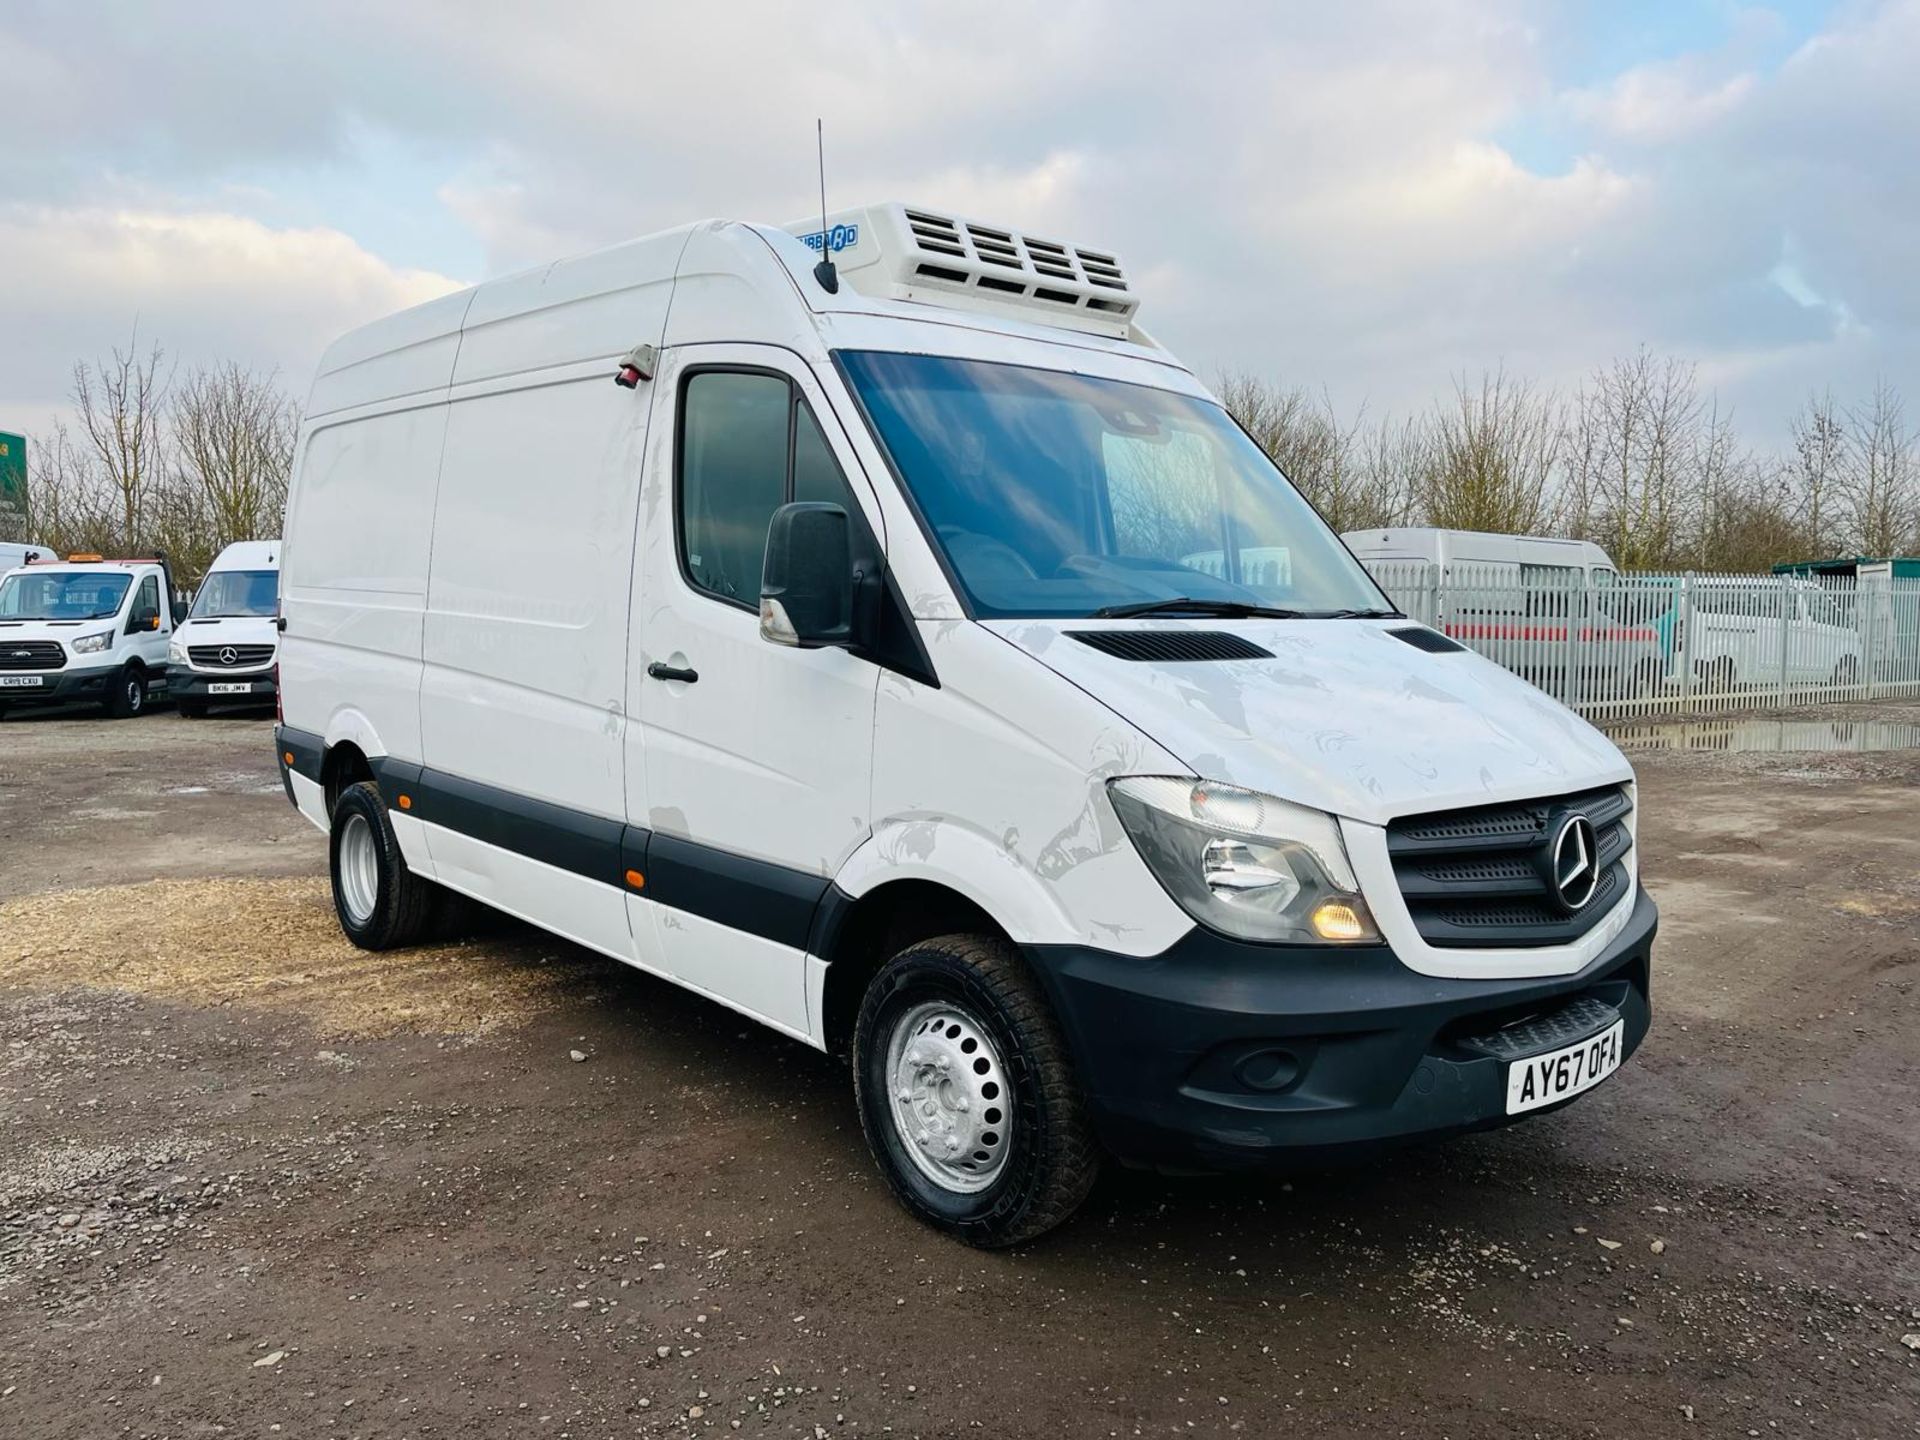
[[1221, 1055], [65, 687]]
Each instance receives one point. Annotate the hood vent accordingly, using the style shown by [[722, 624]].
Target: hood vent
[[1171, 645], [1431, 641]]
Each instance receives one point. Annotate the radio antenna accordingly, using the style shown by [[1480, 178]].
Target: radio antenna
[[824, 272]]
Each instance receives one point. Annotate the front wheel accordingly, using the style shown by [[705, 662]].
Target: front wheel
[[966, 1093], [127, 693]]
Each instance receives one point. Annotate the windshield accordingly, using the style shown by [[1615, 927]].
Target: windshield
[[1061, 495], [62, 594], [227, 593]]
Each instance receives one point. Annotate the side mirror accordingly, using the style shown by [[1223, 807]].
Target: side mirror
[[144, 619], [806, 589]]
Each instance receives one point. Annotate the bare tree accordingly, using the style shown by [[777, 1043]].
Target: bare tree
[[1878, 480], [232, 439], [1327, 460], [1492, 457], [1635, 452], [1820, 454], [120, 405]]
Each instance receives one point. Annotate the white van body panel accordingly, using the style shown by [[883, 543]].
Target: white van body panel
[[994, 784], [353, 581], [408, 356], [525, 642]]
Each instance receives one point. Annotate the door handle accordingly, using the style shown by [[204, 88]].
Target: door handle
[[672, 672]]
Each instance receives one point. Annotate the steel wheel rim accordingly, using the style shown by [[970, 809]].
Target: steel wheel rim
[[136, 694], [359, 869], [948, 1097]]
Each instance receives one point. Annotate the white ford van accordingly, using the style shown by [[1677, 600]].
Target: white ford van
[[914, 657], [224, 651], [85, 629]]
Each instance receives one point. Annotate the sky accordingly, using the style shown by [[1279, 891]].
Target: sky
[[1367, 198]]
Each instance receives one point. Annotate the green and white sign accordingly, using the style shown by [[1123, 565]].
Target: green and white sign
[[13, 486]]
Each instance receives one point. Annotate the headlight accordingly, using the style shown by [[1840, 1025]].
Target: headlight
[[176, 652], [1248, 865], [88, 644]]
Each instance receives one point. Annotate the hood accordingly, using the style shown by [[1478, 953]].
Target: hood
[[65, 631], [230, 630], [1345, 717]]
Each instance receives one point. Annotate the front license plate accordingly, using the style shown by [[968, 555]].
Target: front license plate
[[1544, 1079], [229, 687], [22, 682]]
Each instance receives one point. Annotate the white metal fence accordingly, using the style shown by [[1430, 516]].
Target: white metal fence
[[1646, 644]]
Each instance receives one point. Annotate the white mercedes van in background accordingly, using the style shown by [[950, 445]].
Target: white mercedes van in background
[[915, 657], [224, 651], [86, 629]]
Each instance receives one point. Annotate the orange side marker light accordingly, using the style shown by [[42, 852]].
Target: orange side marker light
[[636, 880], [288, 757], [406, 802]]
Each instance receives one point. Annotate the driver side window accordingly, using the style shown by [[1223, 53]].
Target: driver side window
[[748, 444], [145, 603]]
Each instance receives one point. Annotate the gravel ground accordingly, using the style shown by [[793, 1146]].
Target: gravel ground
[[254, 1182]]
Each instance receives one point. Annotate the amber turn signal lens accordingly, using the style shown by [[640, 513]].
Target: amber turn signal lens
[[1338, 920], [406, 802], [636, 879]]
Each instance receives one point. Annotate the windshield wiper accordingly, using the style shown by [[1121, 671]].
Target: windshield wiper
[[1356, 615], [1192, 605]]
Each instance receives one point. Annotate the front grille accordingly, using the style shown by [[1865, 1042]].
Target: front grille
[[1481, 877], [214, 657], [32, 655]]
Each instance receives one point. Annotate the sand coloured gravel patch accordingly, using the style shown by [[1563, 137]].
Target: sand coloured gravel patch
[[274, 943]]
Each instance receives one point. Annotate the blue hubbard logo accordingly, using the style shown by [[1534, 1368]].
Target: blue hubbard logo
[[840, 237]]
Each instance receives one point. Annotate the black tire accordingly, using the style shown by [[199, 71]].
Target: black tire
[[127, 693], [1051, 1161], [192, 709], [398, 905]]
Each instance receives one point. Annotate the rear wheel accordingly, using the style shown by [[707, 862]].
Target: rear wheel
[[127, 693], [381, 904], [966, 1094]]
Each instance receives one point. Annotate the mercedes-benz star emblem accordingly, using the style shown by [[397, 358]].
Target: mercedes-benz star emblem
[[23, 654], [1576, 873], [229, 655]]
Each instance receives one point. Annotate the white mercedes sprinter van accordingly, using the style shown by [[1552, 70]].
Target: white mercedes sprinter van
[[85, 629], [224, 651], [913, 656]]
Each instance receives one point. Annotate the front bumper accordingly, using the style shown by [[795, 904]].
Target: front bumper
[[1222, 1055], [65, 687], [197, 685]]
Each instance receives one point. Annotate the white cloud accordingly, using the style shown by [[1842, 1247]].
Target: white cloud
[[205, 285]]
